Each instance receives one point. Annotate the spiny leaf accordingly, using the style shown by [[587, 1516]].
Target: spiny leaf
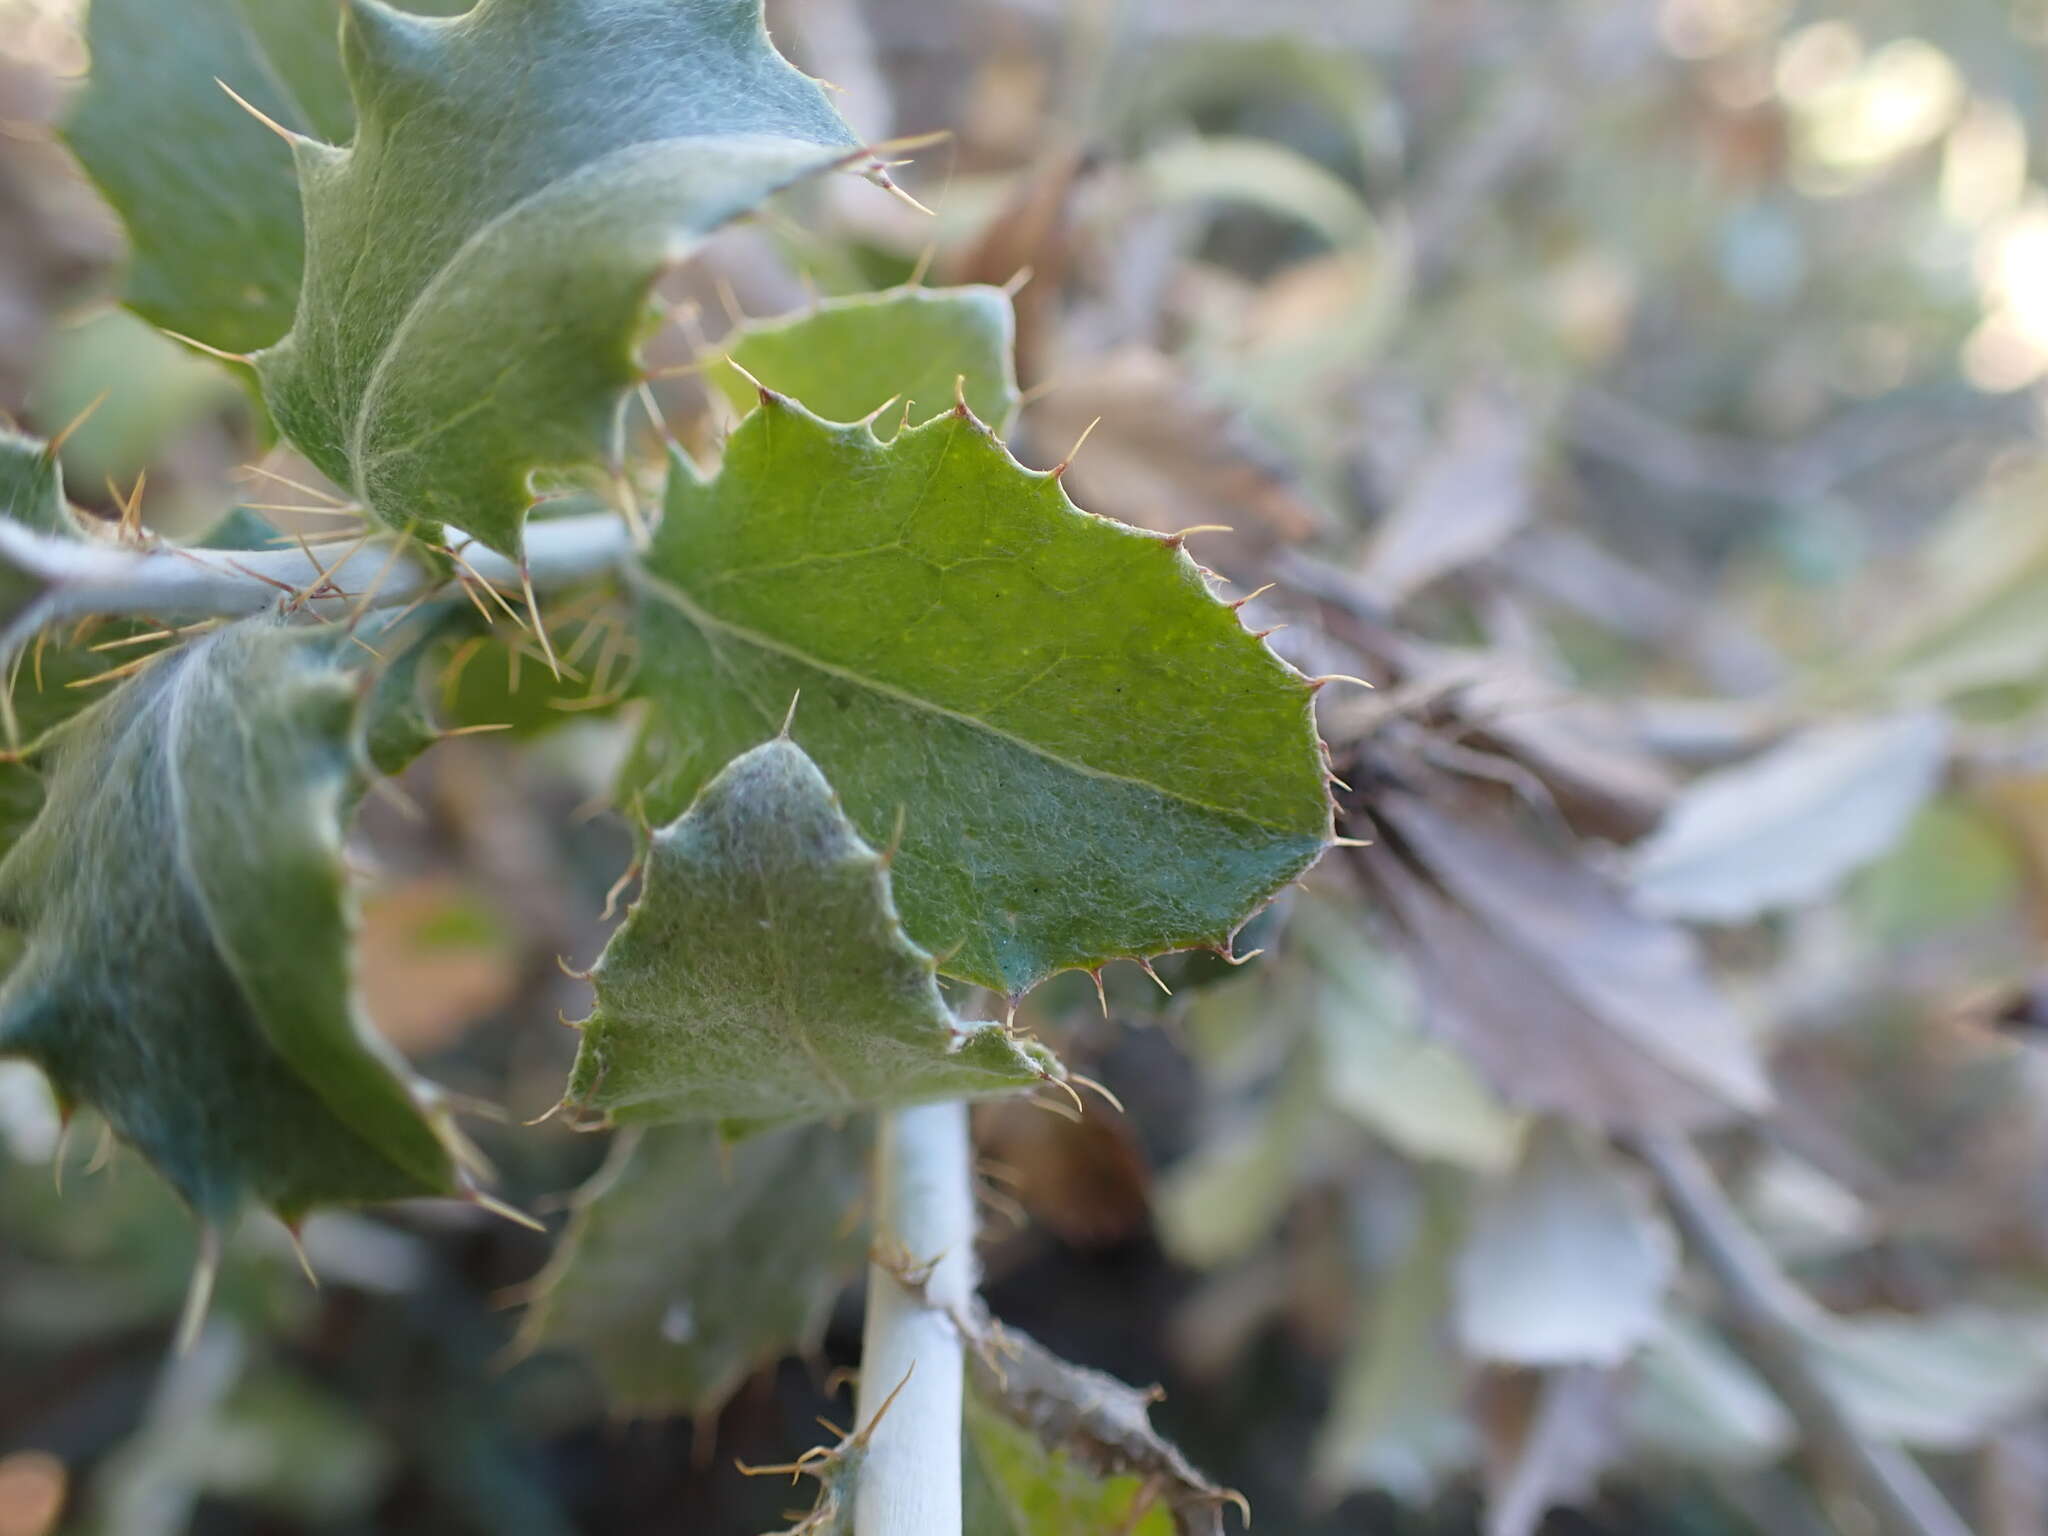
[[32, 486], [848, 357], [1063, 1444], [687, 1267], [1093, 758], [1013, 1485], [186, 925], [479, 261], [206, 192], [763, 976]]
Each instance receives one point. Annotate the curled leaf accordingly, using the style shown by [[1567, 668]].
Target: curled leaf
[[479, 259], [186, 924]]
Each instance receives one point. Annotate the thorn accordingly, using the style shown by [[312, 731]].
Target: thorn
[[1350, 842], [199, 1295], [1017, 281], [511, 1213], [540, 629], [904, 424], [875, 415], [471, 730], [960, 395], [1080, 1109], [768, 396], [1101, 996], [1108, 1098], [1260, 634], [1340, 784], [264, 118], [1317, 684], [542, 1119], [789, 716], [923, 268], [895, 845], [881, 178], [1175, 540], [611, 897], [1146, 965], [1229, 957], [1067, 463], [867, 1430], [829, 1427], [1252, 596], [56, 444], [291, 1230]]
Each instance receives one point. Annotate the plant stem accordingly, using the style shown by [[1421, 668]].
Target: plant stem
[[1773, 1319], [909, 1482], [80, 579]]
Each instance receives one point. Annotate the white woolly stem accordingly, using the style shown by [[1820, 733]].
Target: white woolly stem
[[909, 1481], [81, 579]]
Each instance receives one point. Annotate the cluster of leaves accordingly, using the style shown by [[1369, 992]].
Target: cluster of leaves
[[1462, 364], [1069, 748]]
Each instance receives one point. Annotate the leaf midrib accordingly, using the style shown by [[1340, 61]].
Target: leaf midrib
[[640, 575], [421, 303]]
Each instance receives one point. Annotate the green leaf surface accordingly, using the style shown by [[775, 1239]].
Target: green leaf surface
[[479, 261], [1092, 758], [763, 975], [207, 193], [186, 925], [848, 357], [1059, 1449], [689, 1266], [1014, 1486]]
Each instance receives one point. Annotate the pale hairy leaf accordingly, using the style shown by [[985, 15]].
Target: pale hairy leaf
[[763, 975], [1692, 1399], [1562, 994], [848, 357], [1940, 1381], [205, 192], [1567, 1260], [1380, 1064], [687, 1266], [1788, 826], [1091, 757], [1397, 1421], [479, 260], [186, 927]]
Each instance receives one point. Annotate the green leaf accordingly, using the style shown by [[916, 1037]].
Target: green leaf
[[848, 357], [206, 192], [1057, 1449], [1014, 1486], [763, 975], [1092, 758], [689, 1266], [32, 486], [186, 925], [479, 261]]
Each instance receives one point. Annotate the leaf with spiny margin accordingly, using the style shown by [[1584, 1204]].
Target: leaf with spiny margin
[[1067, 1450], [207, 193], [762, 976], [479, 261], [687, 1266], [1012, 1485], [1092, 758], [848, 357], [186, 927]]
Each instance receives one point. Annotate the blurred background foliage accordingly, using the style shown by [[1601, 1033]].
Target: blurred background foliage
[[1649, 399]]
